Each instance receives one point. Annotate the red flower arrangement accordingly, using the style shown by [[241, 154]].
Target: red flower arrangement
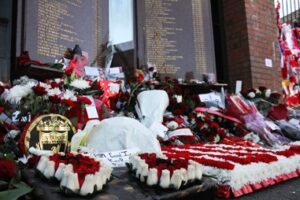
[[77, 173], [165, 172], [7, 169], [39, 90]]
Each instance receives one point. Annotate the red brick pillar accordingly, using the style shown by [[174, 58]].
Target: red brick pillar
[[251, 37]]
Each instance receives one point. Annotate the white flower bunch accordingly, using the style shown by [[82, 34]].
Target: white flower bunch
[[54, 91], [80, 84], [69, 94], [16, 93]]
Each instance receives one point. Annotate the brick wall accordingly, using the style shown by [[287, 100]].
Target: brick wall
[[251, 36]]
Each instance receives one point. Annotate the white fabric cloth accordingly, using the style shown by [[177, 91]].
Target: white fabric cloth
[[82, 134], [119, 133], [152, 105]]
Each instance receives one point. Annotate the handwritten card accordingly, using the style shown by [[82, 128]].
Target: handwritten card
[[113, 158], [212, 97]]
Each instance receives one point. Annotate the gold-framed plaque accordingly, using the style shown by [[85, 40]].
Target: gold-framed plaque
[[49, 132]]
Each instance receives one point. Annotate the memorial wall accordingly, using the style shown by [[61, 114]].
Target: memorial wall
[[176, 36], [51, 26]]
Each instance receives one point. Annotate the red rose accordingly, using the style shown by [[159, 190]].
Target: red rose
[[54, 99], [178, 112], [69, 71], [68, 102], [33, 161], [1, 89], [7, 169], [275, 95], [179, 120], [39, 90], [83, 99], [214, 125], [178, 89], [54, 84], [140, 78]]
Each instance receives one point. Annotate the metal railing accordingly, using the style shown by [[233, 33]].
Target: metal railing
[[289, 10]]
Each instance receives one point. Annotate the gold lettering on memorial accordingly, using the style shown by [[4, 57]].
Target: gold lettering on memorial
[[52, 28], [159, 25], [201, 62]]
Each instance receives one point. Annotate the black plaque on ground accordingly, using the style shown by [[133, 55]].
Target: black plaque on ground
[[51, 26], [176, 36]]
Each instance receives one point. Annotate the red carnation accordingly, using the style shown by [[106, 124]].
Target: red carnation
[[83, 99], [54, 84], [7, 169], [69, 71], [214, 125], [39, 90], [179, 120], [33, 161], [68, 102], [54, 99], [178, 112], [140, 78], [293, 79], [1, 89]]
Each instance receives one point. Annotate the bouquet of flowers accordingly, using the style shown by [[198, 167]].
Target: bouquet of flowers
[[247, 112], [263, 98]]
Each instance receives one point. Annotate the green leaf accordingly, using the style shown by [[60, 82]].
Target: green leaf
[[20, 190]]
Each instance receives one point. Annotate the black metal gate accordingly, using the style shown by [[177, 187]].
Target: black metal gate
[[290, 10]]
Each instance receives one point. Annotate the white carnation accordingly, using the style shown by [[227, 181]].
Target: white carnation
[[251, 95], [172, 125], [53, 92], [69, 94], [268, 93], [16, 93], [45, 85], [80, 84]]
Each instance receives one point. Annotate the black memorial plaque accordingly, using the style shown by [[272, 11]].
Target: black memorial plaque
[[51, 26], [176, 36]]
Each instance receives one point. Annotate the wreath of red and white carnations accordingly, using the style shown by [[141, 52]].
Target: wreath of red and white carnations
[[155, 169], [240, 170], [77, 173]]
